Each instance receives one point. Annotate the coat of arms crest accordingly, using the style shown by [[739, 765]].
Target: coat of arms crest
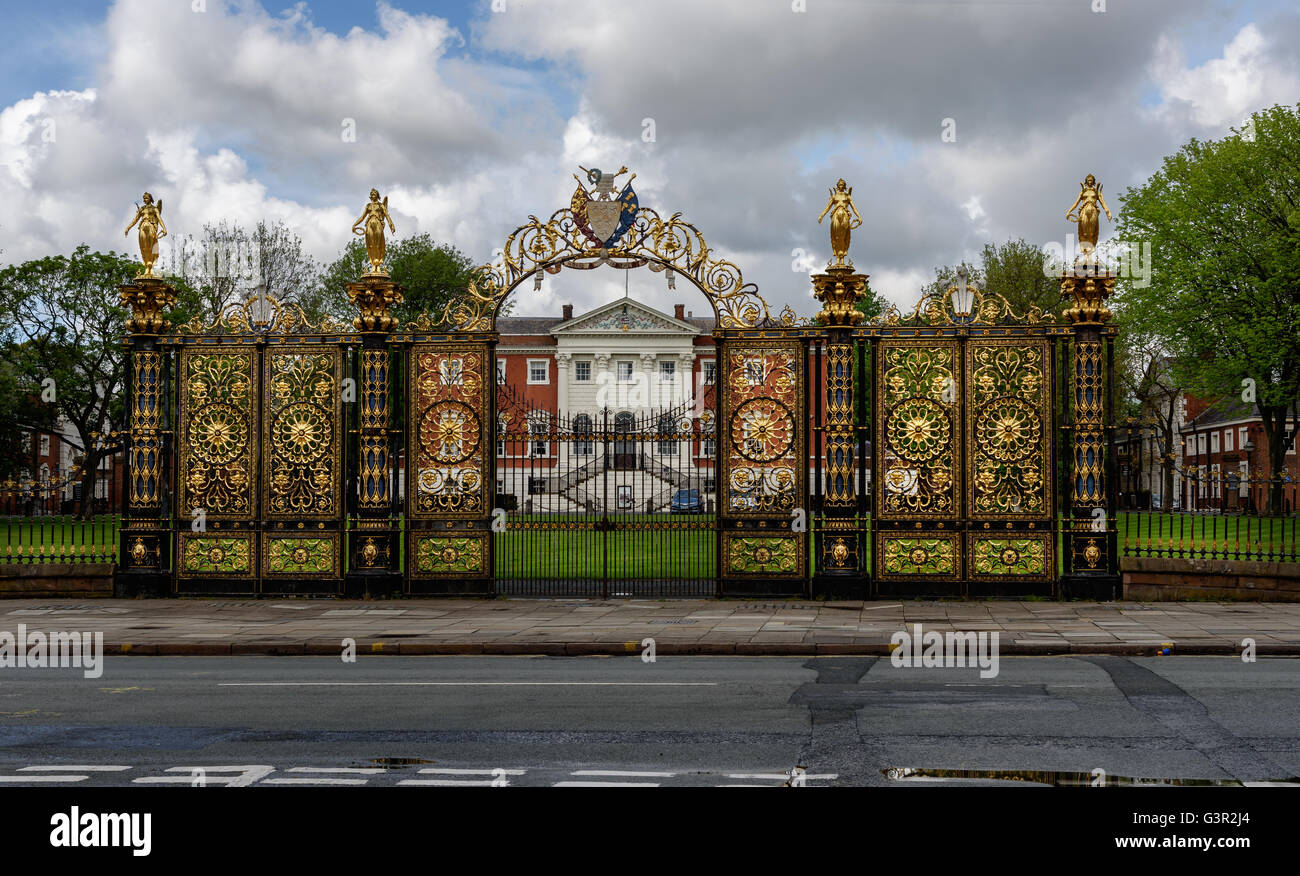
[[602, 216]]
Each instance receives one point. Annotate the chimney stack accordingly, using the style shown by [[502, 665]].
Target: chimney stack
[[568, 312], [679, 311]]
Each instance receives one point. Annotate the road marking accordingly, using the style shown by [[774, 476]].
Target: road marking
[[449, 783], [467, 684], [80, 769], [627, 773], [781, 777], [247, 775], [322, 780], [51, 779], [605, 785], [464, 772], [364, 771]]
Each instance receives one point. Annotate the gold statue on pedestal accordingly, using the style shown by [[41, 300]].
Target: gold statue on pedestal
[[151, 228], [374, 215], [1089, 218], [844, 218]]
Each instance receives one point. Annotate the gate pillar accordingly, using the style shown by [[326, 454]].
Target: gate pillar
[[1092, 563], [373, 547], [144, 550], [838, 538]]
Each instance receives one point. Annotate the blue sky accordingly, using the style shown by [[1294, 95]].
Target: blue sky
[[474, 119]]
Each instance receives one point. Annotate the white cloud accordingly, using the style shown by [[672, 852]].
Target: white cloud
[[1224, 90]]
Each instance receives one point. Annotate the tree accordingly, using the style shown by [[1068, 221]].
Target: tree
[[1013, 270], [431, 276], [1223, 222], [229, 262], [62, 326]]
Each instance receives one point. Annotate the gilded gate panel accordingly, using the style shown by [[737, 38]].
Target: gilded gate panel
[[764, 461], [304, 408], [1008, 407], [918, 429], [449, 410], [218, 442]]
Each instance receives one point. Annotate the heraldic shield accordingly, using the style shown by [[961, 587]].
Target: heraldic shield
[[600, 215]]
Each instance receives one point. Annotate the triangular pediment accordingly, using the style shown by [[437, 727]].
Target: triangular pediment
[[624, 317]]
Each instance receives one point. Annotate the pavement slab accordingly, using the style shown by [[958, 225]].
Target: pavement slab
[[512, 626]]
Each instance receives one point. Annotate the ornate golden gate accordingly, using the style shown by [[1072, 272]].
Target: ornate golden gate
[[327, 458], [963, 451], [260, 454]]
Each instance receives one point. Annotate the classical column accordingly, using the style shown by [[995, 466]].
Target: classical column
[[373, 538], [145, 565], [840, 557], [1091, 561], [562, 382]]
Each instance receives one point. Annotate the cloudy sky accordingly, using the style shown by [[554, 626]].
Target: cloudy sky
[[472, 116]]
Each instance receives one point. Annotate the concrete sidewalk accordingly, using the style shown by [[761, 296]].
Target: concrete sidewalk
[[574, 627]]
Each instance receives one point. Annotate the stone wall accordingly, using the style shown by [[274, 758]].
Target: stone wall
[[19, 581], [1148, 579]]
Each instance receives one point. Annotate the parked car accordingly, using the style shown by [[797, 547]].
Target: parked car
[[686, 502]]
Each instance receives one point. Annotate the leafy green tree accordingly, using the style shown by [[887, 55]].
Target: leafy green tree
[[431, 276], [1014, 270], [61, 327], [1223, 221]]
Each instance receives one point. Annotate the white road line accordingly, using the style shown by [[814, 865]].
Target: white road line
[[50, 779], [781, 777], [361, 771], [467, 684], [463, 772], [449, 783], [634, 774], [247, 775], [605, 785], [317, 781], [80, 769], [744, 786]]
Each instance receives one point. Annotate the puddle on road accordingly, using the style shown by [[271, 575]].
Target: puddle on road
[[398, 762], [1058, 779]]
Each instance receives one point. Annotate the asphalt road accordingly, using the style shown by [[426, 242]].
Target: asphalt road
[[678, 721]]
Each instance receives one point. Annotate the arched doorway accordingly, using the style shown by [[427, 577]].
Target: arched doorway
[[665, 501]]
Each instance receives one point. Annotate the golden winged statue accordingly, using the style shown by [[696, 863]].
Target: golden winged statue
[[373, 216], [1089, 217], [844, 218], [152, 227]]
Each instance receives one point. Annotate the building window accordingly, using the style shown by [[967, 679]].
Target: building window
[[710, 485], [708, 449], [45, 445], [539, 371], [582, 372], [536, 486], [1241, 434], [667, 426], [27, 444], [1227, 439], [582, 426], [710, 373], [1200, 444], [624, 372], [501, 372], [625, 502], [1214, 442], [667, 372], [539, 423]]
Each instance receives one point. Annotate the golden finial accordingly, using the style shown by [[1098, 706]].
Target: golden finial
[[149, 215], [374, 215], [1089, 217]]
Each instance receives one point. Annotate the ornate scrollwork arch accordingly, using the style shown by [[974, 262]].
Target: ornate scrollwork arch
[[632, 237]]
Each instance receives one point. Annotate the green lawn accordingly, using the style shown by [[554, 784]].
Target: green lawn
[[638, 550], [58, 539]]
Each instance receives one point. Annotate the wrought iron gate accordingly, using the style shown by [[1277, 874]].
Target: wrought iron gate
[[606, 503], [260, 472]]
